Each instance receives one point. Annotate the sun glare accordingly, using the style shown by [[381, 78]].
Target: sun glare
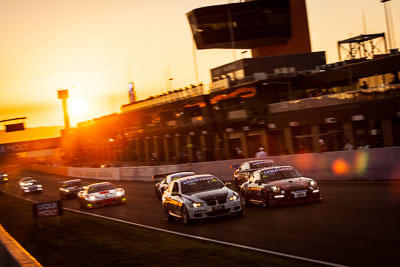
[[78, 106]]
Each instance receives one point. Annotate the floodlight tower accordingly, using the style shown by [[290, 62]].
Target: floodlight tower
[[63, 95]]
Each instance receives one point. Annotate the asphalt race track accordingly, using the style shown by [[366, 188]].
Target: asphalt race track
[[356, 224]]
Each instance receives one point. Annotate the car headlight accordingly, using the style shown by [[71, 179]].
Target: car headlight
[[234, 197], [275, 189], [92, 198], [313, 183], [197, 204], [39, 185], [118, 193], [66, 190]]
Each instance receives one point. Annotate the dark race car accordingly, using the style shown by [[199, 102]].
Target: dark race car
[[31, 186], [3, 177], [160, 187], [101, 194], [70, 189], [243, 171], [279, 185]]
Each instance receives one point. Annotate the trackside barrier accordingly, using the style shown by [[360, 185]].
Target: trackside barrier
[[12, 254], [95, 173], [146, 173], [370, 164], [59, 170]]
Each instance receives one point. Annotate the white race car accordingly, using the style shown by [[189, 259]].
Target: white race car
[[199, 196], [101, 194]]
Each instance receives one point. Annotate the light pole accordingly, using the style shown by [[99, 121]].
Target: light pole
[[389, 23], [170, 83], [63, 95]]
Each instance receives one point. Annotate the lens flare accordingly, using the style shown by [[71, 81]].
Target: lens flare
[[340, 167], [361, 162]]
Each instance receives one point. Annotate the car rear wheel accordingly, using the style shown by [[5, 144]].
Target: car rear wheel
[[158, 194], [185, 216]]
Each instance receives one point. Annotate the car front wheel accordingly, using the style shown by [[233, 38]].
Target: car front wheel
[[168, 217], [265, 199], [243, 198], [185, 216]]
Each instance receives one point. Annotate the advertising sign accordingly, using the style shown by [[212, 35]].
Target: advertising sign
[[47, 209]]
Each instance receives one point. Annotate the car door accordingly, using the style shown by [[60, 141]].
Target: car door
[[243, 173], [175, 202], [254, 188]]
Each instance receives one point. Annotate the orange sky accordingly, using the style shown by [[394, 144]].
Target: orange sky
[[95, 47]]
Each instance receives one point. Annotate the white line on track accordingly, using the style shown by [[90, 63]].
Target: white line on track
[[199, 237]]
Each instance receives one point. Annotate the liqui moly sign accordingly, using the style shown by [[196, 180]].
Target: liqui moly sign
[[47, 209]]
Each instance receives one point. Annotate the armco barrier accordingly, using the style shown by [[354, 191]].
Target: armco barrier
[[12, 254], [370, 164]]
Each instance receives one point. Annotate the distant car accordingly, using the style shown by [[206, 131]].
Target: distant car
[[70, 189], [243, 171], [199, 196], [31, 186], [3, 178], [101, 194], [24, 180], [160, 187], [279, 185]]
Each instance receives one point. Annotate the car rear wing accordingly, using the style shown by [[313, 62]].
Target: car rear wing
[[235, 166], [160, 177], [75, 180]]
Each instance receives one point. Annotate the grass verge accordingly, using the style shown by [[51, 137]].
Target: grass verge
[[82, 240]]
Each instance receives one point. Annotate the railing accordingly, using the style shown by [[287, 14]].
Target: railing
[[337, 99], [175, 95]]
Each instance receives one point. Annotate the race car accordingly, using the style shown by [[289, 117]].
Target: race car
[[101, 194], [3, 177], [31, 186], [279, 185], [160, 187], [70, 189], [243, 171], [199, 196], [24, 180]]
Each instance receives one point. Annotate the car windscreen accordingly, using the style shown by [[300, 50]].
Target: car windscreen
[[103, 187], [200, 184], [279, 174], [288, 173], [71, 184], [261, 164]]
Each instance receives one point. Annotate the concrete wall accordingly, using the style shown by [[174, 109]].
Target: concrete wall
[[49, 169], [12, 254], [371, 164]]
